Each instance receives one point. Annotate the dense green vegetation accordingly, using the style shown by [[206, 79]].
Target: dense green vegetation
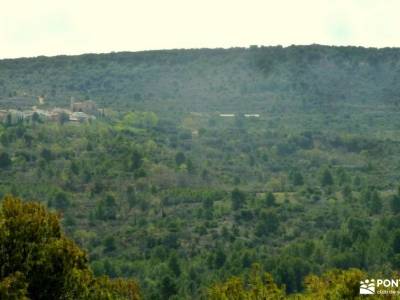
[[38, 262], [165, 190], [334, 284]]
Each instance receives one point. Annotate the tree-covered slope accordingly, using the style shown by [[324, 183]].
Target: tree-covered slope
[[238, 79], [165, 190]]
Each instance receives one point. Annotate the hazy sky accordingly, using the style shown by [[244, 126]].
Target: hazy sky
[[52, 27]]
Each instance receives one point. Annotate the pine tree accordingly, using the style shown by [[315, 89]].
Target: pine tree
[[270, 199], [238, 199], [326, 178]]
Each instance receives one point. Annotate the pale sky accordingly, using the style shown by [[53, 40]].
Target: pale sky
[[53, 27]]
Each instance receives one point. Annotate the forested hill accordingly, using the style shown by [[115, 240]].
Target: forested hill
[[239, 79], [193, 205]]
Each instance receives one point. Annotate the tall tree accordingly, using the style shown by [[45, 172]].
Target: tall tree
[[238, 199], [270, 199], [5, 160], [326, 179]]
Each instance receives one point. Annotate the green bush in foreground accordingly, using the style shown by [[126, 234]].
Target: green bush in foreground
[[38, 262]]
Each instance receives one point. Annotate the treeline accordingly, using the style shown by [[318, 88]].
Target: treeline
[[237, 79]]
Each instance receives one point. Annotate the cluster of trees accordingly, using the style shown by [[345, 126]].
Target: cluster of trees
[[334, 284], [147, 199], [164, 190], [39, 262]]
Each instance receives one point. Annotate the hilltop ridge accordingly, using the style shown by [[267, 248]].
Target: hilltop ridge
[[265, 78]]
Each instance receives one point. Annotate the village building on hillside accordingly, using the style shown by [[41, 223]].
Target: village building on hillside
[[79, 116], [89, 107], [79, 112], [15, 116], [3, 115], [41, 100]]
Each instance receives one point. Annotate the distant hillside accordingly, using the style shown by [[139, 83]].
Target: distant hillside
[[237, 79], [185, 200]]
